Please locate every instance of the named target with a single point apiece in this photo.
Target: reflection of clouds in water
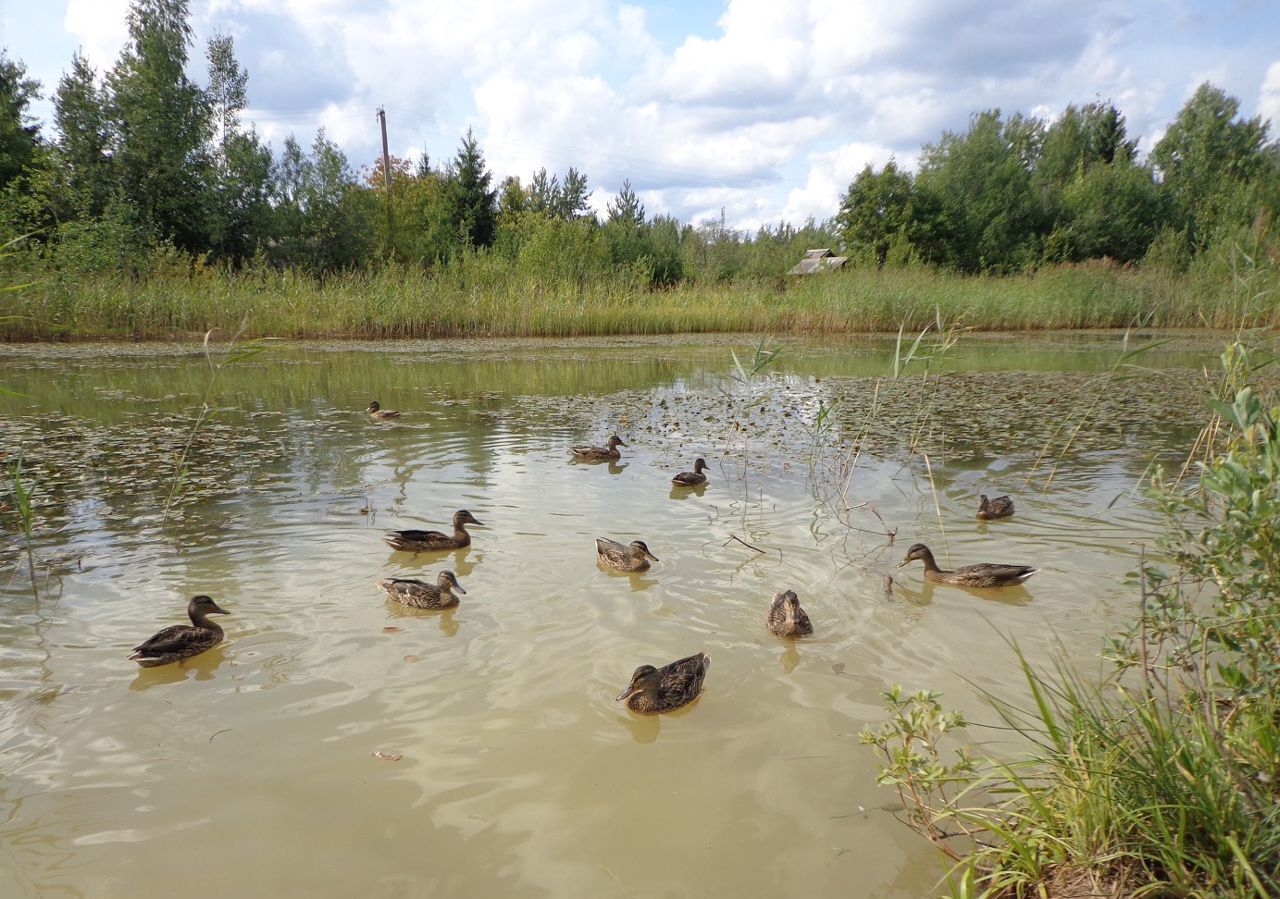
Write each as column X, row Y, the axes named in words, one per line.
column 508, row 726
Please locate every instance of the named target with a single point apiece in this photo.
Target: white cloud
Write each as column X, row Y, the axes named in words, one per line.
column 830, row 174
column 743, row 115
column 1269, row 97
column 100, row 27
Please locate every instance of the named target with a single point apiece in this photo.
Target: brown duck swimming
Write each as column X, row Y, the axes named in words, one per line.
column 786, row 618
column 376, row 411
column 984, row 574
column 422, row 595
column 614, row 555
column 181, row 641
column 692, row 478
column 599, row 453
column 1000, row 507
column 426, row 541
column 654, row 690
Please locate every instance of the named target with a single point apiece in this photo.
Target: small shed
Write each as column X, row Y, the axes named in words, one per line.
column 820, row 260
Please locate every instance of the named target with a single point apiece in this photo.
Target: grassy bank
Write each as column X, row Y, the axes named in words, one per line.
column 1162, row 778
column 484, row 296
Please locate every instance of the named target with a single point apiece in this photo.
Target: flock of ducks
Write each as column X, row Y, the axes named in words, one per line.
column 651, row 690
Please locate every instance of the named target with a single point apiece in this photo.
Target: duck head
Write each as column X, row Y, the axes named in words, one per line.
column 644, row 679
column 916, row 551
column 640, row 551
column 462, row 516
column 202, row 605
column 447, row 579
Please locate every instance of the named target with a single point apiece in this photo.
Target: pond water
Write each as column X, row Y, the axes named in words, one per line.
column 337, row 744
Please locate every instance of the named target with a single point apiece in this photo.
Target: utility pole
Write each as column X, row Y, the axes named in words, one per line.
column 386, row 169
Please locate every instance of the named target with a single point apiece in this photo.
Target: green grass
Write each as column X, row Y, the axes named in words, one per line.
column 1161, row 778
column 486, row 296
column 1142, row 796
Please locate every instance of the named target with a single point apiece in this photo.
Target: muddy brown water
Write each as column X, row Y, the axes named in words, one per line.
column 337, row 744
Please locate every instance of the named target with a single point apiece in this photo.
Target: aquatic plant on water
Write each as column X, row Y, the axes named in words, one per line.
column 1163, row 778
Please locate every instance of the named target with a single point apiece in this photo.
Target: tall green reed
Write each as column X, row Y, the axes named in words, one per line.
column 232, row 353
column 1163, row 777
column 22, row 492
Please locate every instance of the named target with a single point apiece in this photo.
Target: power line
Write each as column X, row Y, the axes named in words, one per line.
column 635, row 168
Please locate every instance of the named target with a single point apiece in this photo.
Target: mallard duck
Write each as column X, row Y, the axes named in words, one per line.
column 984, row 574
column 613, row 554
column 654, row 690
column 181, row 641
column 425, row 541
column 376, row 411
column 422, row 595
column 1000, row 507
column 692, row 478
column 786, row 618
column 599, row 453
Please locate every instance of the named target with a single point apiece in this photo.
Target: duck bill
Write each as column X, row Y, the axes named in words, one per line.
column 219, row 610
column 458, row 587
column 631, row 690
column 903, row 563
column 652, row 556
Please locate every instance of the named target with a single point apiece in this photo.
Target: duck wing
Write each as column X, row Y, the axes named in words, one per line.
column 411, row 592
column 803, row 625
column 174, row 638
column 992, row 574
column 685, row 676
column 606, row 547
column 402, row 586
column 419, row 536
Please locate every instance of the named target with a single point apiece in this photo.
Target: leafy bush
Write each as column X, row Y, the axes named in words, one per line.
column 1163, row 779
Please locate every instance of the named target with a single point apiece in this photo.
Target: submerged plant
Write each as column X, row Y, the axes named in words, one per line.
column 24, row 509
column 742, row 392
column 230, row 356
column 1163, row 778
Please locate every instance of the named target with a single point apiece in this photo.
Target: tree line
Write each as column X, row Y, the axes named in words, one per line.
column 144, row 165
column 1015, row 193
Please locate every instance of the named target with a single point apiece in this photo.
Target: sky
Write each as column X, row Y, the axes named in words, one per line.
column 758, row 110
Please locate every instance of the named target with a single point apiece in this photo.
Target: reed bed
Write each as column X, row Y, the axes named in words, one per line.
column 486, row 296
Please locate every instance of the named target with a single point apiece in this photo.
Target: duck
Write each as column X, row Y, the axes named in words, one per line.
column 376, row 411
column 786, row 618
column 984, row 574
column 1000, row 507
column 182, row 641
column 653, row 690
column 422, row 595
column 599, row 453
column 425, row 541
column 692, row 478
column 614, row 555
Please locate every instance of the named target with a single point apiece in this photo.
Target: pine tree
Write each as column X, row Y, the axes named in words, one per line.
column 19, row 135
column 470, row 204
column 627, row 208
